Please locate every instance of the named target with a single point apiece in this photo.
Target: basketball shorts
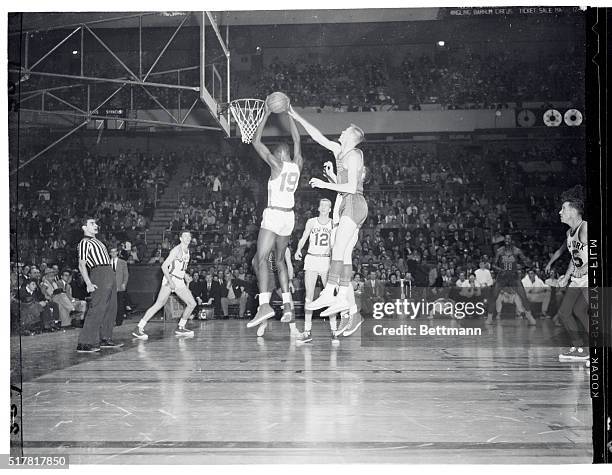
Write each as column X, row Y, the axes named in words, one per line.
column 354, row 207
column 581, row 282
column 318, row 264
column 178, row 282
column 279, row 222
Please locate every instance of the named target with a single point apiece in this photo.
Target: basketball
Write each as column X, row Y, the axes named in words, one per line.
column 278, row 102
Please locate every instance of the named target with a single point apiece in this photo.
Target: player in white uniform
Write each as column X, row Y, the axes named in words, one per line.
column 573, row 311
column 175, row 280
column 278, row 219
column 272, row 269
column 318, row 232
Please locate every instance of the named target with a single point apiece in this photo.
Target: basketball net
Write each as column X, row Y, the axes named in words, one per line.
column 248, row 114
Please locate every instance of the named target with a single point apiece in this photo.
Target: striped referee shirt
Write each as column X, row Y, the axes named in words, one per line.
column 93, row 252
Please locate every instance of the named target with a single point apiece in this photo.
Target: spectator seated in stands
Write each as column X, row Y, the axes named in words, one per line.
column 537, row 291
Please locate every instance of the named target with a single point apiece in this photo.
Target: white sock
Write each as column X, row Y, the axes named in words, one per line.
column 264, row 297
column 332, row 322
column 292, row 326
column 286, row 297
column 307, row 326
column 343, row 292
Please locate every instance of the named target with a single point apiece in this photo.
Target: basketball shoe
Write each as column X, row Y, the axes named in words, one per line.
column 264, row 312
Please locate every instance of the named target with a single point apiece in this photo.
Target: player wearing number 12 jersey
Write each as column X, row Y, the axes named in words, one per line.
column 318, row 231
column 278, row 219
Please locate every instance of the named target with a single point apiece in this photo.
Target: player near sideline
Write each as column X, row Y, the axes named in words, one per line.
column 318, row 232
column 278, row 219
column 174, row 280
column 353, row 212
column 506, row 260
column 573, row 311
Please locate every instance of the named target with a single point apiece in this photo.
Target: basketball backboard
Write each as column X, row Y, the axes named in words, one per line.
column 215, row 67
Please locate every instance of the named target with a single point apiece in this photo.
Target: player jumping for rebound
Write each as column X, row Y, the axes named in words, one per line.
column 318, row 233
column 573, row 311
column 174, row 268
column 278, row 219
column 353, row 212
column 272, row 280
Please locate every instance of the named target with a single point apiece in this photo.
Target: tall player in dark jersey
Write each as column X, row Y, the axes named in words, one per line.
column 353, row 212
column 505, row 263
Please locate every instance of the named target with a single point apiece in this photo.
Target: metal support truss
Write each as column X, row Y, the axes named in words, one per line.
column 132, row 78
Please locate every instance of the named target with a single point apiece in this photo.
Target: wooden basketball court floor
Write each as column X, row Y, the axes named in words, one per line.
column 224, row 396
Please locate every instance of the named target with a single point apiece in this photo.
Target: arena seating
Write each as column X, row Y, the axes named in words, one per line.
column 427, row 205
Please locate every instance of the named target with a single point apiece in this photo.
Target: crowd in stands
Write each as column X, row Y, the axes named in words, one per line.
column 431, row 218
column 455, row 80
column 360, row 83
column 120, row 189
column 482, row 81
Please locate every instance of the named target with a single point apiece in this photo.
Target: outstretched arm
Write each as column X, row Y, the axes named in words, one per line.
column 315, row 133
column 558, row 253
column 303, row 239
column 262, row 150
column 297, row 149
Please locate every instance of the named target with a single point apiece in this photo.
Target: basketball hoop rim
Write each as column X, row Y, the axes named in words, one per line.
column 243, row 99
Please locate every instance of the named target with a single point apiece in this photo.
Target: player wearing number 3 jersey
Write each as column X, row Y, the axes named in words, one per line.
column 278, row 219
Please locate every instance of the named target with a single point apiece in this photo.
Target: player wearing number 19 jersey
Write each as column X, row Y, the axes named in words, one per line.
column 278, row 219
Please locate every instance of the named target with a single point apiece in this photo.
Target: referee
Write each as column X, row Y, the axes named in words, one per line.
column 94, row 264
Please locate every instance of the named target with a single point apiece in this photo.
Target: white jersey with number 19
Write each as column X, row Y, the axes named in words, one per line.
column 282, row 188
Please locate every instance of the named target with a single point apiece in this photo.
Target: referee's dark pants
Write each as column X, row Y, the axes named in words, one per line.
column 100, row 318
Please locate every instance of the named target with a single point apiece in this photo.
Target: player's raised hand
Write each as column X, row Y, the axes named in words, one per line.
column 328, row 171
column 317, row 183
column 547, row 268
column 298, row 255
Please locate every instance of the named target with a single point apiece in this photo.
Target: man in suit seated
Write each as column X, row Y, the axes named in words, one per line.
column 196, row 286
column 373, row 292
column 80, row 306
column 234, row 294
column 36, row 312
column 211, row 295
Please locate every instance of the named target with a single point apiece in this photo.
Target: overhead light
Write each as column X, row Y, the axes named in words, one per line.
column 75, row 51
column 441, row 43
